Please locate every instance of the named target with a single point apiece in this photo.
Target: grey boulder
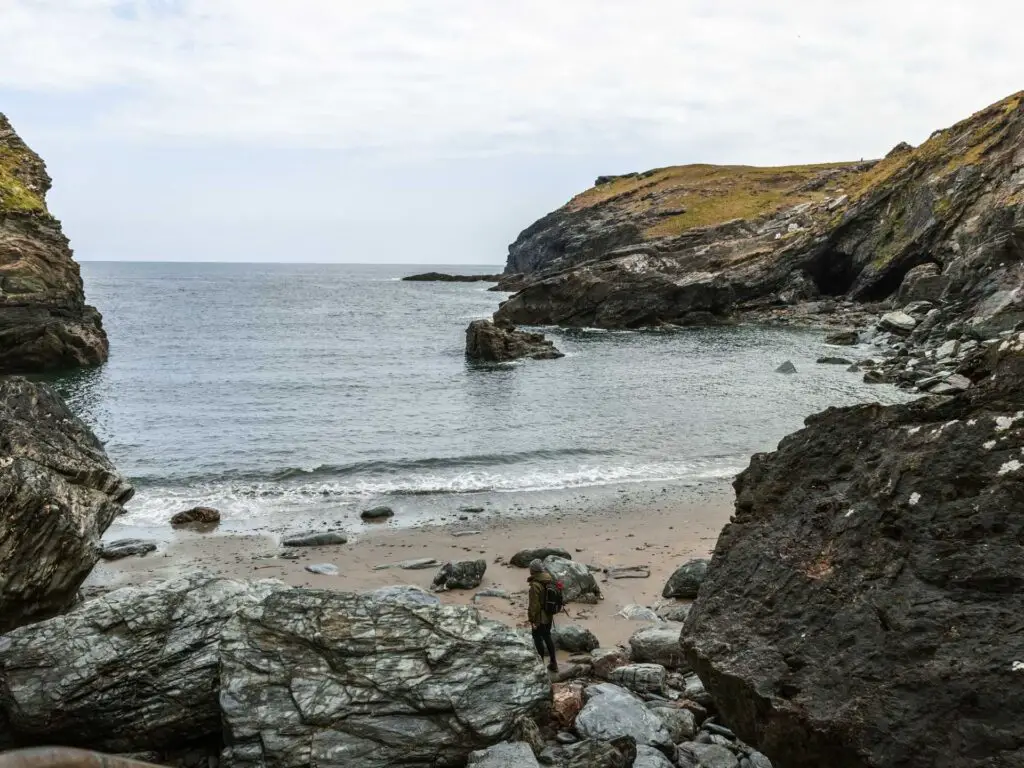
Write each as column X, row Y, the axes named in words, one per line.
column 612, row 712
column 135, row 669
column 672, row 611
column 325, row 678
column 524, row 557
column 649, row 757
column 706, row 756
column 897, row 322
column 639, row 678
column 658, row 645
column 117, row 550
column 60, row 493
column 316, row 539
column 578, row 583
column 680, row 722
column 461, row 574
column 686, row 580
column 505, row 755
column 573, row 638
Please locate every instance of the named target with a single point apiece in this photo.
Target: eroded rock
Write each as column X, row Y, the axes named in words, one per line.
column 461, row 574
column 489, row 342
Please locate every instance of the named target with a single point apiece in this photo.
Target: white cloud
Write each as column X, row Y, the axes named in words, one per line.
column 773, row 80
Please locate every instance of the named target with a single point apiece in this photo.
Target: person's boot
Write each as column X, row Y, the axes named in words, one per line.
column 553, row 666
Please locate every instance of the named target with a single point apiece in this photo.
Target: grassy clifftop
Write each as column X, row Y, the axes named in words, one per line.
column 23, row 179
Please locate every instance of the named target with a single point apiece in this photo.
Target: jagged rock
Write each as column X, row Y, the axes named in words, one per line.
column 60, row 493
column 196, row 516
column 406, row 594
column 681, row 723
column 864, row 591
column 462, row 574
column 900, row 149
column 573, row 638
column 612, row 712
column 620, row 752
column 504, row 755
column 897, row 322
column 649, row 757
column 117, row 550
column 640, row 678
column 489, row 342
column 370, row 683
column 843, row 338
column 315, row 539
column 658, row 645
column 578, row 583
column 135, row 669
column 686, row 580
column 923, row 283
column 786, row 367
column 566, row 703
column 948, row 349
column 606, row 660
column 377, row 513
column 524, row 557
column 45, row 323
column 950, row 385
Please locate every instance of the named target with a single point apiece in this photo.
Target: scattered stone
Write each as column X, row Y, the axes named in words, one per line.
column 843, row 338
column 377, row 513
column 573, row 638
column 406, row 594
column 897, row 322
column 686, row 580
column 122, row 548
column 834, row 361
column 640, row 678
column 611, row 712
column 323, row 569
column 658, row 645
column 504, row 755
column 198, row 516
column 634, row 612
column 492, row 593
column 389, row 683
column 442, row 277
column 462, row 574
column 524, row 557
column 460, row 534
column 471, row 510
column 316, row 539
column 628, row 572
column 489, row 342
column 786, row 367
column 951, row 385
column 417, row 564
column 578, row 583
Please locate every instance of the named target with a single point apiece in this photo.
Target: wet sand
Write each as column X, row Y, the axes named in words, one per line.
column 657, row 530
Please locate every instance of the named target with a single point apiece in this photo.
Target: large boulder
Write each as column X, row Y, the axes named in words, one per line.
column 574, row 638
column 331, row 678
column 863, row 608
column 461, row 574
column 686, row 579
column 612, row 712
column 658, row 645
column 578, row 583
column 60, row 493
column 524, row 557
column 489, row 342
column 133, row 670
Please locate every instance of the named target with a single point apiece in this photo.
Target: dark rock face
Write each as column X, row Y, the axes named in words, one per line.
column 574, row 638
column 369, row 683
column 60, row 493
column 196, row 516
column 44, row 321
column 648, row 250
column 136, row 669
column 489, row 342
column 686, row 580
column 441, row 277
column 462, row 574
column 863, row 609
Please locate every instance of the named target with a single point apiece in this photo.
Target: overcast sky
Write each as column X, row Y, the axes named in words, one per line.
column 433, row 131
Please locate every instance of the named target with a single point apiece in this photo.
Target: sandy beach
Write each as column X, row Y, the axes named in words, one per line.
column 656, row 529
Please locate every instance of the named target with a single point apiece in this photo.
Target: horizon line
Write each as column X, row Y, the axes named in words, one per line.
column 349, row 263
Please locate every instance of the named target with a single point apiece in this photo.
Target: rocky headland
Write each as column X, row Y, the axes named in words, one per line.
column 444, row 277
column 45, row 323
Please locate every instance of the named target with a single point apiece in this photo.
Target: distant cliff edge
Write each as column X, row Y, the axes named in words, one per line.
column 45, row 323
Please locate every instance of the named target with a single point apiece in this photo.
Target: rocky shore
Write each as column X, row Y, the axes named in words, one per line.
column 443, row 277
column 45, row 323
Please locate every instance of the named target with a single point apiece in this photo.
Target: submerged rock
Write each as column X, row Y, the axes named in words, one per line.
column 135, row 669
column 443, row 277
column 370, row 683
column 60, row 493
column 786, row 367
column 196, row 516
column 865, row 589
column 489, row 342
column 461, row 574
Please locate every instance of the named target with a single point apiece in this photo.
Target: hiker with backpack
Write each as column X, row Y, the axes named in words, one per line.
column 545, row 602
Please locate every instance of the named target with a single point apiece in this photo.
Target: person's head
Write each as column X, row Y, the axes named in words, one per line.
column 536, row 566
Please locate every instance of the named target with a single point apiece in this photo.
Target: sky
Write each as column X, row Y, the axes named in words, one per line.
column 433, row 131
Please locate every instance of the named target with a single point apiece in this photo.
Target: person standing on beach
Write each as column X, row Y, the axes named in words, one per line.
column 540, row 621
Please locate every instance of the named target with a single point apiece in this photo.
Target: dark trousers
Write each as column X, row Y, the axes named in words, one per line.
column 542, row 639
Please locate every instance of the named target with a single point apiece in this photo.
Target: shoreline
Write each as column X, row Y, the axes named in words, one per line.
column 661, row 530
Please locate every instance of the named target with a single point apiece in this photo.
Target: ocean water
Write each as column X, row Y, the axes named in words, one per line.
column 286, row 392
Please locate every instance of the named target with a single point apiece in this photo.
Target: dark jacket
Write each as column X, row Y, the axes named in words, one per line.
column 536, row 610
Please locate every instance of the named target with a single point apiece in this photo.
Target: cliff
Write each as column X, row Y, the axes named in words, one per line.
column 45, row 323
column 700, row 244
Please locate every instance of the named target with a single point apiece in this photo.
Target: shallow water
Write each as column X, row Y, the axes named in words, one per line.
column 273, row 391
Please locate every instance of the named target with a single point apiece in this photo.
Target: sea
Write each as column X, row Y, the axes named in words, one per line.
column 293, row 393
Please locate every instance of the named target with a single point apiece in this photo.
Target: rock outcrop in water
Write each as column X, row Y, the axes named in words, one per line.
column 45, row 323
column 443, row 277
column 490, row 342
column 863, row 608
column 703, row 244
column 60, row 493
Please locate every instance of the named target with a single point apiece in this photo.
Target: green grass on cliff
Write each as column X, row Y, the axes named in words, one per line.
column 712, row 194
column 14, row 195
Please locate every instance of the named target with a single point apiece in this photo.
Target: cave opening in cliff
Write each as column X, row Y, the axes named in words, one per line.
column 833, row 273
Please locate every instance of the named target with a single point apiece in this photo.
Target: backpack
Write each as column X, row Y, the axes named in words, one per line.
column 553, row 600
